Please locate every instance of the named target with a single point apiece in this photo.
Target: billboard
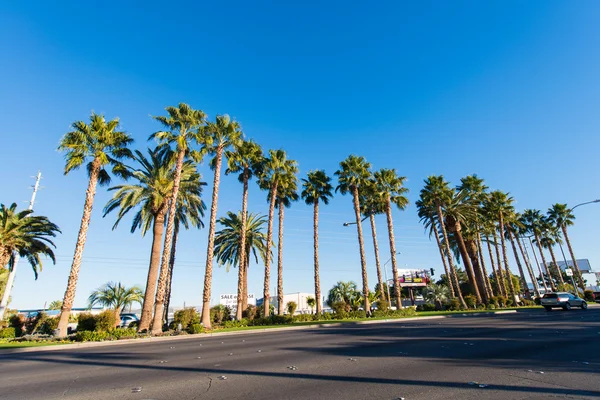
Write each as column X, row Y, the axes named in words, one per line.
column 230, row 300
column 583, row 264
column 413, row 277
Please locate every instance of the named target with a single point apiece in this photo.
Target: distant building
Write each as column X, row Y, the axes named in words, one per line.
column 300, row 299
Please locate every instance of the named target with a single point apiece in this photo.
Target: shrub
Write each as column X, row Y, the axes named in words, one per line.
column 236, row 324
column 17, row 321
column 291, row 307
column 537, row 301
column 86, row 322
column 259, row 310
column 528, row 303
column 588, row 295
column 471, row 301
column 122, row 333
column 339, row 308
column 304, row 317
column 8, row 333
column 491, row 306
column 426, row 307
column 89, row 336
column 249, row 312
column 453, row 305
column 382, row 305
column 105, row 321
column 501, row 301
column 356, row 314
column 186, row 317
column 32, row 324
column 220, row 313
column 195, row 328
column 509, row 302
column 48, row 325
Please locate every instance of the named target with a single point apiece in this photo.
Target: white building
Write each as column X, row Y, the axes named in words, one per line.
column 299, row 298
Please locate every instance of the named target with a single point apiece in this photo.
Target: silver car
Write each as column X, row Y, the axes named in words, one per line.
column 563, row 300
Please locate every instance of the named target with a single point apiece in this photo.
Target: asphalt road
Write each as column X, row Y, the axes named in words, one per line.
column 525, row 355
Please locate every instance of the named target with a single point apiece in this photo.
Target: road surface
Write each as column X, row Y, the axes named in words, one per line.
column 526, row 355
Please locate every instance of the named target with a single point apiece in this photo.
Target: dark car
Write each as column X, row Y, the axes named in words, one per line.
column 564, row 300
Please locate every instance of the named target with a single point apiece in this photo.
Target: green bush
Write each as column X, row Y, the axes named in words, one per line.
column 86, row 322
column 8, row 333
column 471, row 301
column 356, row 314
column 32, row 324
column 528, row 303
column 186, row 317
column 588, row 295
column 491, row 306
column 426, row 307
column 48, row 325
column 304, row 318
column 195, row 328
column 502, row 301
column 249, row 312
column 121, row 333
column 220, row 313
column 509, row 302
column 105, row 321
column 236, row 324
column 537, row 301
column 89, row 336
column 17, row 321
column 453, row 305
column 291, row 307
column 259, row 310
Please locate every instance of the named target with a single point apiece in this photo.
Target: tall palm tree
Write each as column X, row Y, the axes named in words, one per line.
column 549, row 238
column 372, row 205
column 534, row 223
column 286, row 194
column 353, row 175
column 149, row 195
column 391, row 191
column 518, row 229
column 246, row 158
column 317, row 188
column 273, row 170
column 217, row 137
column 459, row 210
column 561, row 217
column 491, row 214
column 228, row 243
column 115, row 296
column 182, row 131
column 510, row 220
column 436, row 193
column 524, row 230
column 500, row 205
column 427, row 214
column 102, row 145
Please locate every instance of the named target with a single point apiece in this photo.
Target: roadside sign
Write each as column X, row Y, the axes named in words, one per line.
column 569, row 271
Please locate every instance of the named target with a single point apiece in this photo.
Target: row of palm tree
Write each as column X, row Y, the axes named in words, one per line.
column 464, row 218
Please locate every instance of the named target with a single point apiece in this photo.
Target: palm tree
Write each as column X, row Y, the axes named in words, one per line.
column 549, row 238
column 436, row 294
column 342, row 292
column 391, row 191
column 115, row 296
column 510, row 220
column 491, row 214
column 149, row 195
column 518, row 229
column 459, row 210
column 218, row 136
column 317, row 188
column 427, row 217
column 353, row 176
column 500, row 204
column 436, row 193
column 246, row 159
column 534, row 223
column 273, row 170
column 229, row 239
column 310, row 301
column 55, row 305
column 103, row 145
column 524, row 230
column 25, row 235
column 182, row 130
column 561, row 217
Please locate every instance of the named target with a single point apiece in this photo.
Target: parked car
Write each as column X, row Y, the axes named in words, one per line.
column 127, row 319
column 563, row 300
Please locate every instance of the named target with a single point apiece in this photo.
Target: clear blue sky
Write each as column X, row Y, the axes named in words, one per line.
column 507, row 90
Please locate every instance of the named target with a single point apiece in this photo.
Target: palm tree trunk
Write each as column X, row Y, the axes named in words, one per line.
column 555, row 265
column 577, row 270
column 537, row 240
column 538, row 265
column 486, row 278
column 449, row 255
column 170, row 276
column 467, row 261
column 280, row 305
column 511, row 287
column 529, row 267
column 499, row 274
column 156, row 327
column 267, row 284
column 316, row 254
column 65, row 310
column 243, row 255
column 472, row 250
column 390, row 226
column 440, row 248
column 521, row 273
column 148, row 304
column 377, row 261
column 211, row 241
column 361, row 245
column 491, row 254
column 245, row 296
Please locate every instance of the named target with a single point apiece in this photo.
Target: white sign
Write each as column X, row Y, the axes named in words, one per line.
column 569, row 271
column 230, row 300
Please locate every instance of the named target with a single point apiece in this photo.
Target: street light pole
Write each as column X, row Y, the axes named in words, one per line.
column 587, row 202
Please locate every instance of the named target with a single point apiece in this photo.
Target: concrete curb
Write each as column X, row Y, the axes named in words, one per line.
column 203, row 336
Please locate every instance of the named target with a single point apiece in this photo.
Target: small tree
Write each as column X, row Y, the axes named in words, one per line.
column 116, row 296
column 311, row 302
column 55, row 305
column 291, row 307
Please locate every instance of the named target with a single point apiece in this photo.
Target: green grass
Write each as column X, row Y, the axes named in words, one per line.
column 19, row 345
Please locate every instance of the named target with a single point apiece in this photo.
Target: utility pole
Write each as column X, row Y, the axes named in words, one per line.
column 13, row 272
